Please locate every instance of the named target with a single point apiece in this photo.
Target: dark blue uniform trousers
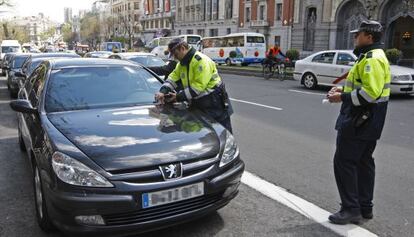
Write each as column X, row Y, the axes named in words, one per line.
column 354, row 169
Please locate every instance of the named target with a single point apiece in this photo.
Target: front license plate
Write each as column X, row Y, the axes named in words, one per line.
column 172, row 195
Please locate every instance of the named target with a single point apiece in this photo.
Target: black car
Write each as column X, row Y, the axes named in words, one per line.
column 107, row 160
column 14, row 72
column 35, row 59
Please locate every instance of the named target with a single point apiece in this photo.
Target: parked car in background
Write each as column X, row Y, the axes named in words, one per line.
column 111, row 46
column 9, row 46
column 145, row 59
column 98, row 54
column 14, row 73
column 106, row 160
column 323, row 68
column 35, row 59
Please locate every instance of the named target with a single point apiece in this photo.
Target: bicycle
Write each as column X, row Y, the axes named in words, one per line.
column 270, row 69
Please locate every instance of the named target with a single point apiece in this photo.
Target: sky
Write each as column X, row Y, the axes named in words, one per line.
column 50, row 8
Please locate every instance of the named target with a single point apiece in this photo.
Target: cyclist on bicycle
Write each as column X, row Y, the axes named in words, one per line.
column 274, row 56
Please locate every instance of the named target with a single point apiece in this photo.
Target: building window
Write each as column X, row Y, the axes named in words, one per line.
column 279, row 9
column 179, row 15
column 152, row 24
column 228, row 30
column 190, row 32
column 277, row 40
column 129, row 6
column 136, row 17
column 261, row 12
column 200, row 32
column 228, row 6
column 162, row 23
column 156, row 23
column 213, row 32
column 248, row 14
column 179, row 32
column 167, row 23
column 136, row 5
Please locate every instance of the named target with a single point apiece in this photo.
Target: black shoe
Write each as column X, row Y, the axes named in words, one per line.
column 344, row 217
column 367, row 213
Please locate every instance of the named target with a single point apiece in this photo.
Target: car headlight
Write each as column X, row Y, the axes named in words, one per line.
column 401, row 78
column 231, row 150
column 74, row 172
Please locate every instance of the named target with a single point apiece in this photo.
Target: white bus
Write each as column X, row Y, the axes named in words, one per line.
column 237, row 48
column 159, row 46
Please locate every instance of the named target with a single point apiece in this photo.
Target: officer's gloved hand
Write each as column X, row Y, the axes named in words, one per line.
column 160, row 97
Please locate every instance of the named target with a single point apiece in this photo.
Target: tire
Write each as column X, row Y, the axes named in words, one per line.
column 267, row 72
column 21, row 142
column 42, row 216
column 309, row 81
column 228, row 62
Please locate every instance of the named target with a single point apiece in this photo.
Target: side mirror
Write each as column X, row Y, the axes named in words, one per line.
column 351, row 63
column 22, row 106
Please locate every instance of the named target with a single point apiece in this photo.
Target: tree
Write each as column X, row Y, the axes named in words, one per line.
column 90, row 29
column 6, row 3
column 68, row 35
column 47, row 34
column 13, row 31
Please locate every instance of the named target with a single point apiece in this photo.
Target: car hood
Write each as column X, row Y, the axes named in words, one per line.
column 400, row 71
column 137, row 137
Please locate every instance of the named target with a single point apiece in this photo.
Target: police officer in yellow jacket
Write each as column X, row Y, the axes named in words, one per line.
column 360, row 122
column 201, row 83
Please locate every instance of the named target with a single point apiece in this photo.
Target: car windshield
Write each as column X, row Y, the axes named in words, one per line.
column 164, row 41
column 18, row 62
column 9, row 49
column 148, row 61
column 96, row 87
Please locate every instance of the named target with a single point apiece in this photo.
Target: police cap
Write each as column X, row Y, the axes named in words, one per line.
column 175, row 43
column 369, row 27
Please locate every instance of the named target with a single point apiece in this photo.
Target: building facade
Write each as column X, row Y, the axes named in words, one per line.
column 325, row 24
column 206, row 17
column 125, row 18
column 35, row 26
column 158, row 18
column 273, row 18
column 68, row 15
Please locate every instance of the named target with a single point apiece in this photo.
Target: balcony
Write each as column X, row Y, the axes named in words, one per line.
column 259, row 23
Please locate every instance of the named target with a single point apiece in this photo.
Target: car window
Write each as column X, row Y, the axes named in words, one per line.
column 148, row 61
column 324, row 58
column 37, row 82
column 94, row 87
column 18, row 62
column 344, row 59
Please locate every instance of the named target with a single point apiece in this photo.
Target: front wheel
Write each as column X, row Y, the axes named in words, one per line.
column 309, row 81
column 42, row 215
column 228, row 62
column 267, row 71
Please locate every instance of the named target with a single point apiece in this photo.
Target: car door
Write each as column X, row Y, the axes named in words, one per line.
column 343, row 62
column 31, row 126
column 323, row 66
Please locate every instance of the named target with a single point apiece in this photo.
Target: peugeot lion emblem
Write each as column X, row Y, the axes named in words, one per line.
column 171, row 171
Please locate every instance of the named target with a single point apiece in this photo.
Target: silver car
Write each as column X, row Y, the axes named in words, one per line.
column 325, row 67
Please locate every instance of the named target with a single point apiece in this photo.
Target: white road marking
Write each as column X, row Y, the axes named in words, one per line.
column 307, row 92
column 302, row 206
column 257, row 104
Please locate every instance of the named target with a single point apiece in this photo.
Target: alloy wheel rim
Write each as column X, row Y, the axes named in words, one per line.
column 309, row 81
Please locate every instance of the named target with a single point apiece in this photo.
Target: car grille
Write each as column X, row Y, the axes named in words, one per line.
column 153, row 174
column 156, row 213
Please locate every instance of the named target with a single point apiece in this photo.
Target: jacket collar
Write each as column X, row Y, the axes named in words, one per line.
column 365, row 49
column 187, row 58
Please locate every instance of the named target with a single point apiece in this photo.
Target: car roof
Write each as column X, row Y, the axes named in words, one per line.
column 45, row 55
column 134, row 54
column 22, row 55
column 58, row 63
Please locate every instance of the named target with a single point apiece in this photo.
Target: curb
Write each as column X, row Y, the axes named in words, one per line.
column 245, row 72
